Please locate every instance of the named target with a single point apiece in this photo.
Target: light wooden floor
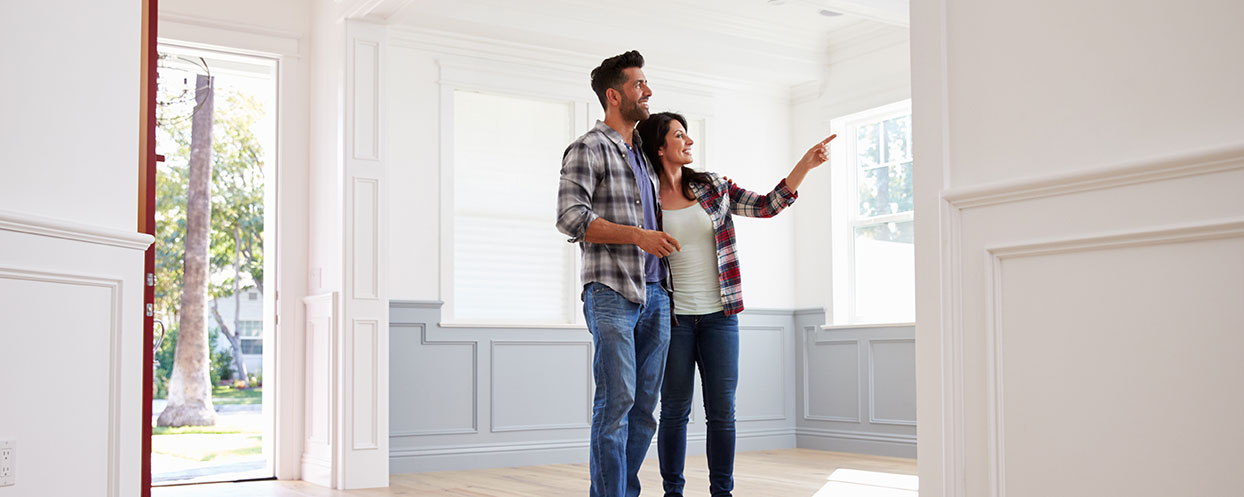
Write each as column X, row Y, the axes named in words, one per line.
column 769, row 473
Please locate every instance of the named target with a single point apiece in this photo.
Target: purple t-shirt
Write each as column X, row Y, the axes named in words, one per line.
column 652, row 264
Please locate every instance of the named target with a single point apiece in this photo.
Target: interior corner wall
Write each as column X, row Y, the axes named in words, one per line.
column 876, row 72
column 70, row 130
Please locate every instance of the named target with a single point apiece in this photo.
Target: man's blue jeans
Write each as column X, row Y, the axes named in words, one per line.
column 712, row 342
column 630, row 341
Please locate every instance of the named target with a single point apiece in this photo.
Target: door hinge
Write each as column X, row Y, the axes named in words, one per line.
column 150, row 279
column 150, row 310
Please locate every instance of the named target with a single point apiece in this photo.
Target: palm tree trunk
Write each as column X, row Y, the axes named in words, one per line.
column 190, row 386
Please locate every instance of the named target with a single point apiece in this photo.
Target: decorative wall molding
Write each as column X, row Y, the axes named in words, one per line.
column 810, row 339
column 561, row 65
column 781, row 337
column 872, row 391
column 492, row 403
column 68, row 230
column 856, row 435
column 1129, row 173
column 115, row 331
column 994, row 359
column 365, row 349
column 199, row 32
column 320, row 440
column 365, row 239
column 423, row 340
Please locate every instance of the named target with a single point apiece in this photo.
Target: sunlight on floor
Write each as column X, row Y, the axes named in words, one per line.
column 856, row 483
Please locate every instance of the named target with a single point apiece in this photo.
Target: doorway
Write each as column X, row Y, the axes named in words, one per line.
column 214, row 204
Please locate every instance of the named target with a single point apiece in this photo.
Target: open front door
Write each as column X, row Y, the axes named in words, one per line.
column 146, row 222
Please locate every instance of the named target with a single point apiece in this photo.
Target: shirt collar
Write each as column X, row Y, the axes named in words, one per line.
column 617, row 139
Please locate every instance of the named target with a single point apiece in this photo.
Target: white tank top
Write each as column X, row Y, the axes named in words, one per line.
column 697, row 289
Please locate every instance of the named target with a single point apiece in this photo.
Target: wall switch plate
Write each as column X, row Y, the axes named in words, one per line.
column 8, row 458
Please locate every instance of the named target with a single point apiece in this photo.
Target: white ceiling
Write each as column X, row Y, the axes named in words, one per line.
column 778, row 42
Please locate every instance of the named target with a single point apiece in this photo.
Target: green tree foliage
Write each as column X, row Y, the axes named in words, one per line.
column 237, row 214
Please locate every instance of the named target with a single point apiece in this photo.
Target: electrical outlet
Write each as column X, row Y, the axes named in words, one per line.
column 8, row 462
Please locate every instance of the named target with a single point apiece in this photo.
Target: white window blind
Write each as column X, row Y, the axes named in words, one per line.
column 510, row 264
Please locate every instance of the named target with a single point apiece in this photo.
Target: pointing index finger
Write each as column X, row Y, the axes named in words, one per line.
column 827, row 140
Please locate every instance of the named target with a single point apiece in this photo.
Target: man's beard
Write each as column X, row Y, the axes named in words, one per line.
column 632, row 111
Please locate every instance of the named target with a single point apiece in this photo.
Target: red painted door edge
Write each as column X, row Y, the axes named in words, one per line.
column 147, row 170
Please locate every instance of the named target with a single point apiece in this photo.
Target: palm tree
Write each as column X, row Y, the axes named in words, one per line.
column 190, row 387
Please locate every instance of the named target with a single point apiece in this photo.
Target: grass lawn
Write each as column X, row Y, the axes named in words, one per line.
column 227, row 395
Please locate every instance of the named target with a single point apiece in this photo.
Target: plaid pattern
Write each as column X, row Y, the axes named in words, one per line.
column 597, row 182
column 721, row 199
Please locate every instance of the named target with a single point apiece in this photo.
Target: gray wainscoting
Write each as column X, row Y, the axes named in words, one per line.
column 857, row 387
column 470, row 398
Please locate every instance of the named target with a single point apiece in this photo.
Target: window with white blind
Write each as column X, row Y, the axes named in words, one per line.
column 874, row 257
column 509, row 263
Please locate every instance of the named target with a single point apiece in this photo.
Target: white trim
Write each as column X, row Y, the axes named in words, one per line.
column 68, row 230
column 515, row 326
column 197, row 32
column 994, row 389
column 114, row 385
column 830, row 327
column 1169, row 167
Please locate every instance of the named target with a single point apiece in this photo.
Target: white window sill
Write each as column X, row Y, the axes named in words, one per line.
column 867, row 325
column 520, row 326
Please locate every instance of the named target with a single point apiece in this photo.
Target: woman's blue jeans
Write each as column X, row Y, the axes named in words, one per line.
column 710, row 341
column 630, row 342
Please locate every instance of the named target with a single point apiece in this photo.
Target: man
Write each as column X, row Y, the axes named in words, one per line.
column 608, row 203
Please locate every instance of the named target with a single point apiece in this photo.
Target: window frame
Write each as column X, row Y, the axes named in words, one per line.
column 582, row 118
column 841, row 310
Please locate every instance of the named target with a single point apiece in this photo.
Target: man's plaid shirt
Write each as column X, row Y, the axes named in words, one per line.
column 722, row 198
column 597, row 182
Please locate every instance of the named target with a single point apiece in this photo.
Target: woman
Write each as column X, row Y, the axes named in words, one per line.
column 696, row 210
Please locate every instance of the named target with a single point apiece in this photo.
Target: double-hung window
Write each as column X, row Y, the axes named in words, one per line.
column 873, row 219
column 508, row 263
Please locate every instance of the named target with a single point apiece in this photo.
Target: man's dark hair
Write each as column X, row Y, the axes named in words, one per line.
column 609, row 74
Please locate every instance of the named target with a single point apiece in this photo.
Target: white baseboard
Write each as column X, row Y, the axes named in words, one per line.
column 468, row 457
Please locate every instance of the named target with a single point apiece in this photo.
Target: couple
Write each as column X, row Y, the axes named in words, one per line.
column 652, row 230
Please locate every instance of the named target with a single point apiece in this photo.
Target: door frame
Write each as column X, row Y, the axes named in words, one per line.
column 284, row 377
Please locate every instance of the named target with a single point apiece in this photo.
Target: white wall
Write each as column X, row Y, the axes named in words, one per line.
column 871, row 71
column 68, row 217
column 1079, row 316
column 748, row 129
column 70, row 105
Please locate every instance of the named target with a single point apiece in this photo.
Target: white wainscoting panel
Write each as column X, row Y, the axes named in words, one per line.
column 71, row 296
column 321, row 379
column 1098, row 338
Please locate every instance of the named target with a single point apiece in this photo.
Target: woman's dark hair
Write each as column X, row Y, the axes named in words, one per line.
column 652, row 133
column 609, row 73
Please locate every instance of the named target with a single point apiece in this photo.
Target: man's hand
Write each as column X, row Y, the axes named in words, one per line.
column 658, row 243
